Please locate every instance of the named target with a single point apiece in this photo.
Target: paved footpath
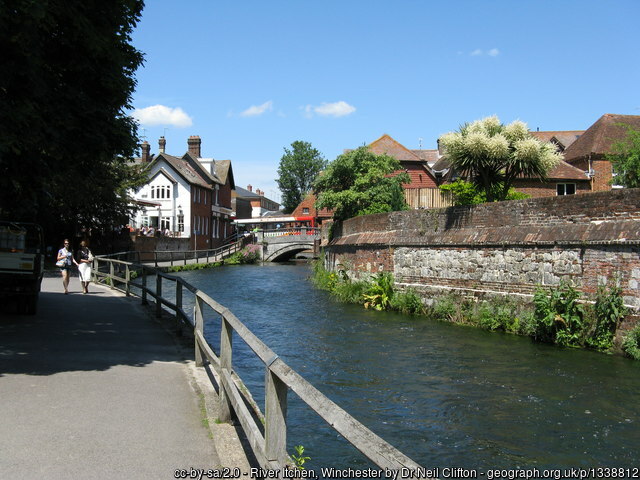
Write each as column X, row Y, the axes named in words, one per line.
column 92, row 387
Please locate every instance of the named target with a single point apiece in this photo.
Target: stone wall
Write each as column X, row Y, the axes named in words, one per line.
column 506, row 247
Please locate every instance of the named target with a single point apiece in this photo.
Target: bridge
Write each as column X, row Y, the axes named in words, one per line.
column 283, row 244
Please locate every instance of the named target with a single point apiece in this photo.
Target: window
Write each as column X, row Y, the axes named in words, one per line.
column 566, row 188
column 153, row 192
column 217, row 191
column 181, row 223
column 305, row 211
column 165, row 223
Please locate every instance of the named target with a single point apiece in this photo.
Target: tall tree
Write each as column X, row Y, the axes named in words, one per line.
column 625, row 159
column 494, row 155
column 360, row 183
column 65, row 89
column 298, row 167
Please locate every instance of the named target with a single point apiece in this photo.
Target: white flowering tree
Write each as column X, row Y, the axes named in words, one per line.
column 493, row 155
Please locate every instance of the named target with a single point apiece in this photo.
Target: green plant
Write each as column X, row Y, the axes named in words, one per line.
column 249, row 254
column 407, row 302
column 608, row 310
column 380, row 293
column 299, row 460
column 631, row 343
column 559, row 315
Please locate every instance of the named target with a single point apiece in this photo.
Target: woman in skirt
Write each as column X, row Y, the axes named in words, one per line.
column 84, row 259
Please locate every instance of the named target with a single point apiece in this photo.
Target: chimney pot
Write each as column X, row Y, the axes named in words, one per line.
column 250, row 188
column 194, row 144
column 146, row 152
column 162, row 143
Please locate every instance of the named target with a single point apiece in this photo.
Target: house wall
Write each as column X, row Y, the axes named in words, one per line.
column 180, row 197
column 419, row 176
column 501, row 248
column 536, row 188
column 200, row 218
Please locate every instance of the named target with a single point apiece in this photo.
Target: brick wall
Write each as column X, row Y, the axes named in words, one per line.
column 536, row 188
column 508, row 247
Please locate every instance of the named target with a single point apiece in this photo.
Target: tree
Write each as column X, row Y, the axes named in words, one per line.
column 625, row 159
column 490, row 154
column 360, row 183
column 65, row 137
column 296, row 172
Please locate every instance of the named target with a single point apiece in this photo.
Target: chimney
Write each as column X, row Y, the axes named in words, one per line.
column 194, row 145
column 250, row 188
column 162, row 144
column 146, row 152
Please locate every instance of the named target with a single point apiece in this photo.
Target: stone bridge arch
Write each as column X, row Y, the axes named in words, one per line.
column 283, row 252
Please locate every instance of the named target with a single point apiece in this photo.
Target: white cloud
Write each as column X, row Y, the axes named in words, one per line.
column 494, row 52
column 162, row 115
column 256, row 110
column 336, row 109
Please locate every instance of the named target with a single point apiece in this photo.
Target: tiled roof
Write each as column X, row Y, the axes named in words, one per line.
column 224, row 172
column 429, row 156
column 564, row 171
column 563, row 137
column 183, row 169
column 387, row 145
column 599, row 137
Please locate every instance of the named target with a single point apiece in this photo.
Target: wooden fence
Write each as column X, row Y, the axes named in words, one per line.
column 427, row 198
column 268, row 435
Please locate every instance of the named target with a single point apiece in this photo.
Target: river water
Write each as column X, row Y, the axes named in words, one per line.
column 443, row 394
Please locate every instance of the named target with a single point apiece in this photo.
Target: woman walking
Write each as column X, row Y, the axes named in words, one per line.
column 64, row 261
column 84, row 259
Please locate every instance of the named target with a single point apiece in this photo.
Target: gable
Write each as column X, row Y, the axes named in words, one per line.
column 386, row 145
column 599, row 138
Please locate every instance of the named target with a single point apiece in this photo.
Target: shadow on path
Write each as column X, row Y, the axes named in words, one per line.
column 78, row 332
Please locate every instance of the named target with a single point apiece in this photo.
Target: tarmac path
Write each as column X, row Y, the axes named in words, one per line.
column 92, row 388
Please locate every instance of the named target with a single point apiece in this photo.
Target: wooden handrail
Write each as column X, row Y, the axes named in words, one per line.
column 269, row 448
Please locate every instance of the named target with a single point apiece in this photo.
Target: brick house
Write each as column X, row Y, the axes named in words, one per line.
column 188, row 196
column 588, row 152
column 414, row 162
column 250, row 204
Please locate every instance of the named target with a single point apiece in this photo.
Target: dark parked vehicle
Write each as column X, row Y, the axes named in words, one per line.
column 21, row 263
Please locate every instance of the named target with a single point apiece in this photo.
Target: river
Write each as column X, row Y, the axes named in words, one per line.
column 443, row 394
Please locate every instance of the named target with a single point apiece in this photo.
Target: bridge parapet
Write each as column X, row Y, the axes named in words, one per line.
column 285, row 243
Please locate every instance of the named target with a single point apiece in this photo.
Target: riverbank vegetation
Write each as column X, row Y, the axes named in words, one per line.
column 558, row 315
column 248, row 255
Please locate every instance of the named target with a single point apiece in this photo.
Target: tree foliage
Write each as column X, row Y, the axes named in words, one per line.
column 66, row 85
column 360, row 183
column 467, row 193
column 298, row 168
column 625, row 159
column 491, row 153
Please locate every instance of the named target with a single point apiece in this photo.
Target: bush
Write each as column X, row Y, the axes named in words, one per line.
column 607, row 312
column 559, row 316
column 631, row 343
column 407, row 302
column 380, row 292
column 249, row 254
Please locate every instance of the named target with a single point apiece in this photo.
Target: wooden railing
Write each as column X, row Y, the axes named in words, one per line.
column 180, row 257
column 268, row 442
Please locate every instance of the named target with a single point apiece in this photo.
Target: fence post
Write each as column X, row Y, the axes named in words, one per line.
column 226, row 350
column 172, row 258
column 158, row 295
column 127, row 276
column 198, row 321
column 144, row 286
column 111, row 273
column 178, row 307
column 275, row 429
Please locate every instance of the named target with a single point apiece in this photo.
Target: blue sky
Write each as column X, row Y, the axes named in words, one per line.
column 251, row 77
